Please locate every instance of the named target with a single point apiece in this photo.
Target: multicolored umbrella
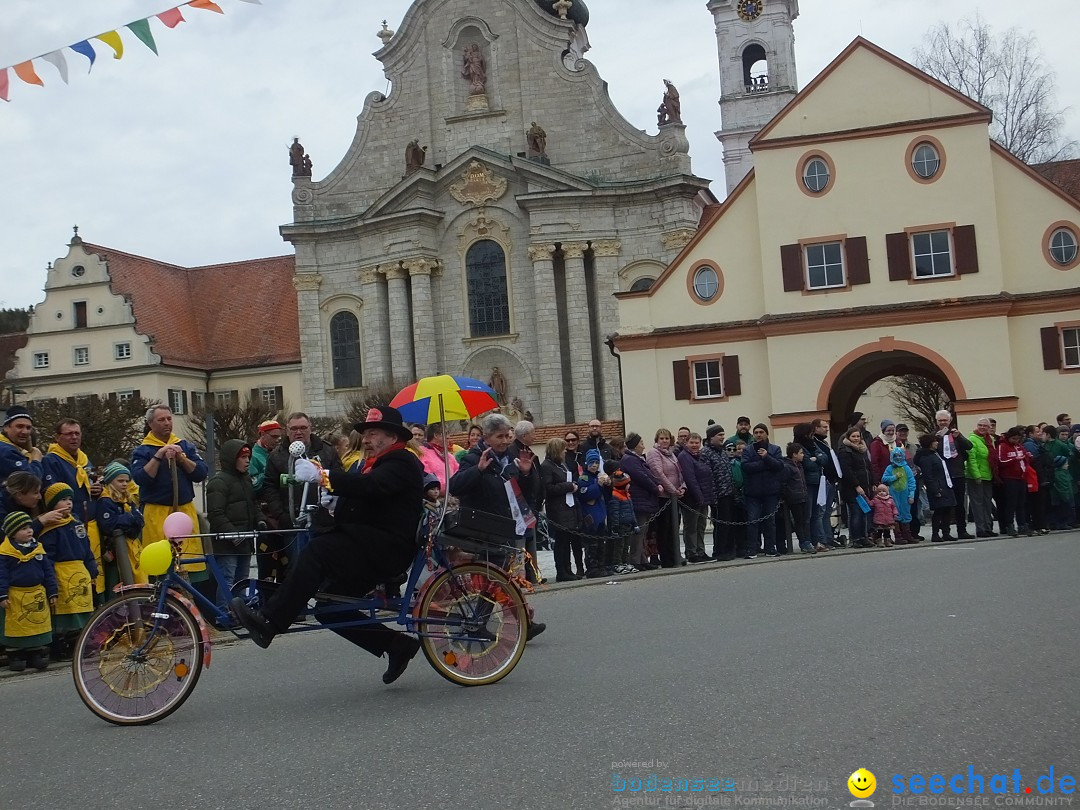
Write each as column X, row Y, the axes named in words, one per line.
column 436, row 399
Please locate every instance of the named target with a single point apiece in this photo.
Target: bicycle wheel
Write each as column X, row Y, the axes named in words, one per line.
column 480, row 633
column 131, row 674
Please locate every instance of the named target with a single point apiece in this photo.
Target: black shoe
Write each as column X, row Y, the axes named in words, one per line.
column 535, row 629
column 402, row 652
column 253, row 621
column 750, row 556
column 40, row 661
column 567, row 578
column 17, row 664
column 963, row 536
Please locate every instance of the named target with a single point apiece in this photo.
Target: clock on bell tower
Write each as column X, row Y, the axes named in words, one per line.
column 755, row 41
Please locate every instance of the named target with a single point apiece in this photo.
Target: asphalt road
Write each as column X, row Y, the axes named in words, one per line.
column 784, row 676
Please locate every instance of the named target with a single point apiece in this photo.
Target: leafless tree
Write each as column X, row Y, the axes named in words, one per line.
column 1006, row 73
column 918, row 400
column 232, row 420
column 111, row 427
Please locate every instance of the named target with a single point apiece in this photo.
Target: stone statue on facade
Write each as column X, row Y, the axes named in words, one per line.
column 670, row 109
column 537, row 140
column 498, row 384
column 474, row 69
column 415, row 155
column 560, row 7
column 300, row 162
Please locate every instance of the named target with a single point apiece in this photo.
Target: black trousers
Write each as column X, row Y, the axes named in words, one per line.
column 351, row 564
column 959, row 485
column 723, row 547
column 667, row 533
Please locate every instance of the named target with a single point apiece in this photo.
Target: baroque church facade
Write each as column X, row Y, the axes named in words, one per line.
column 485, row 214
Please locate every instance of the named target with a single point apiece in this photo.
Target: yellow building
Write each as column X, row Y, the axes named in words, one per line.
column 116, row 324
column 880, row 232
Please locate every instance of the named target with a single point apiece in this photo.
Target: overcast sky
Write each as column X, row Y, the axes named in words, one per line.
column 183, row 156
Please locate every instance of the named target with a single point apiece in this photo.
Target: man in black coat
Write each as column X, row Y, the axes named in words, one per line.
column 480, row 482
column 374, row 540
column 278, row 552
column 953, row 447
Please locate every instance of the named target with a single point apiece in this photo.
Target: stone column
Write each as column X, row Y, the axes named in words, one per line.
column 581, row 331
column 314, row 357
column 374, row 328
column 549, row 368
column 397, row 303
column 426, row 361
column 606, row 258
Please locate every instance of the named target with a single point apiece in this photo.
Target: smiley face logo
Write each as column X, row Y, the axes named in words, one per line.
column 862, row 783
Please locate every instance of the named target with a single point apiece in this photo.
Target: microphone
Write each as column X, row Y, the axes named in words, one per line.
column 297, row 449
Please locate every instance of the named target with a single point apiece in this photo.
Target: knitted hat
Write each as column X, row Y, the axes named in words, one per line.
column 15, row 521
column 113, row 471
column 593, row 457
column 431, row 482
column 713, row 430
column 56, row 493
column 886, row 423
column 268, row 425
column 17, row 412
column 633, row 440
column 762, row 426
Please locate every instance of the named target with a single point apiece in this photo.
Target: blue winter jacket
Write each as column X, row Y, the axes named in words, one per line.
column 762, row 477
column 158, row 490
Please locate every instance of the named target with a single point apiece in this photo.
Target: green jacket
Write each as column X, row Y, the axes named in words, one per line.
column 230, row 501
column 977, row 467
column 257, row 469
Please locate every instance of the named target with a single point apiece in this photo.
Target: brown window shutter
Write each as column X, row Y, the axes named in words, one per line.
column 967, row 254
column 681, row 375
column 136, row 395
column 253, row 395
column 732, row 379
column 791, row 266
column 858, row 260
column 279, row 396
column 1051, row 347
column 896, row 248
column 183, row 396
column 234, row 397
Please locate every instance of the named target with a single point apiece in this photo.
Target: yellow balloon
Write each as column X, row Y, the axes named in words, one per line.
column 156, row 558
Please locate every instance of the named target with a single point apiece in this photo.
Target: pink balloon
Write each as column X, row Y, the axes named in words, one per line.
column 178, row 524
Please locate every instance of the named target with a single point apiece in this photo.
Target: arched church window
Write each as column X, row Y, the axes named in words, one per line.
column 345, row 350
column 755, row 69
column 642, row 284
column 489, row 303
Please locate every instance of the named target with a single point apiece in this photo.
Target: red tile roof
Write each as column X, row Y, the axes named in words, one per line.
column 214, row 317
column 9, row 344
column 1065, row 174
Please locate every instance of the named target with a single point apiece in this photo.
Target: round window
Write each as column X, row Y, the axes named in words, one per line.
column 78, row 271
column 816, row 175
column 1063, row 246
column 925, row 161
column 706, row 283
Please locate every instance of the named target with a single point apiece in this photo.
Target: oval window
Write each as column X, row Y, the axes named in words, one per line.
column 925, row 161
column 816, row 175
column 706, row 283
column 1063, row 246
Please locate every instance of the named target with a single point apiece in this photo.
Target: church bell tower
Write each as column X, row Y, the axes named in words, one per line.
column 756, row 45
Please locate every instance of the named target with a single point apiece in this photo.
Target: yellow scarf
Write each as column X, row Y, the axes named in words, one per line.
column 5, row 440
column 154, row 441
column 350, row 459
column 63, row 522
column 7, row 549
column 82, row 478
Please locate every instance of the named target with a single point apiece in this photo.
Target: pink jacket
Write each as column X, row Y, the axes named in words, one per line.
column 432, row 462
column 665, row 469
column 884, row 511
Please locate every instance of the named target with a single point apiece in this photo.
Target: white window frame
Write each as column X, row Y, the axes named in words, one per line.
column 268, row 396
column 1075, row 246
column 222, row 397
column 714, row 281
column 176, row 401
column 817, row 175
column 125, row 396
column 75, row 355
column 198, row 399
column 702, row 371
column 916, row 162
column 1070, row 345
column 41, row 360
column 825, row 264
column 950, row 253
column 119, row 350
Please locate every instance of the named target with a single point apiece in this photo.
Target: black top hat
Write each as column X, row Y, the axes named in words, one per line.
column 386, row 418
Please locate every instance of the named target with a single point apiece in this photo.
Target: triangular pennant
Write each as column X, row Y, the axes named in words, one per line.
column 141, row 29
column 209, row 5
column 112, row 39
column 86, row 49
column 4, row 84
column 25, row 71
column 57, row 60
column 171, row 18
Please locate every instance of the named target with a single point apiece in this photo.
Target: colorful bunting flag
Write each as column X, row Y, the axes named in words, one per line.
column 87, row 50
column 141, row 29
column 209, row 5
column 57, row 60
column 171, row 18
column 4, row 84
column 25, row 71
column 112, row 39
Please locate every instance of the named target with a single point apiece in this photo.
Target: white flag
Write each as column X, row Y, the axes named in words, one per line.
column 56, row 58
